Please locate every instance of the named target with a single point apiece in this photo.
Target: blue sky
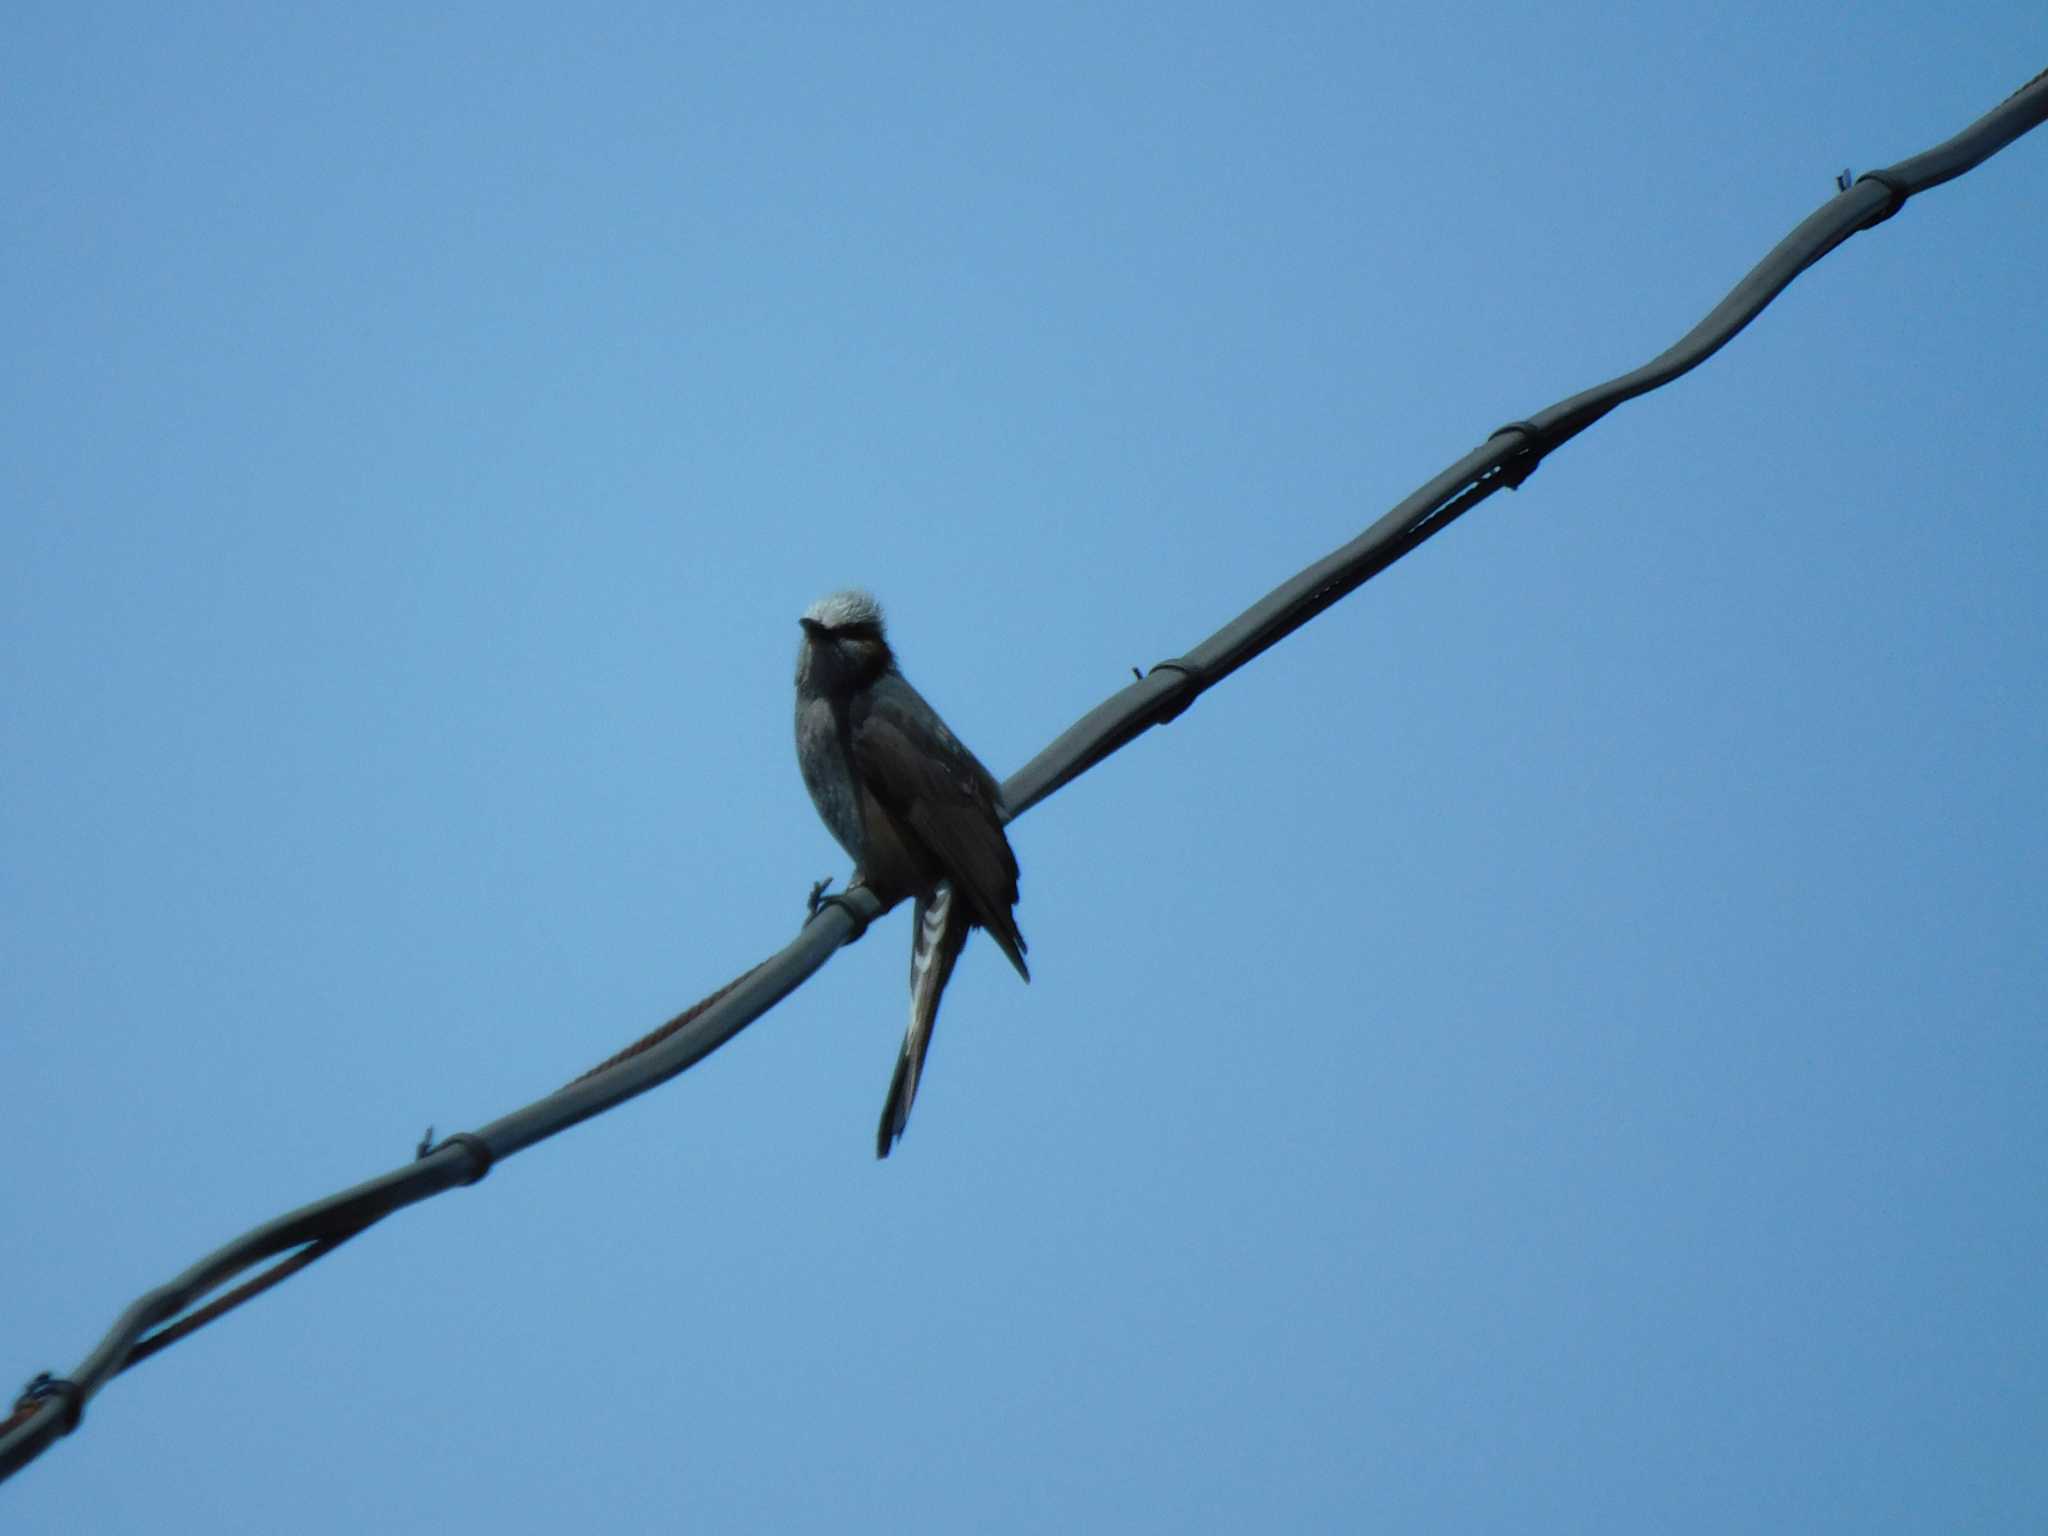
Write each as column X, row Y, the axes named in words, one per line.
column 1556, row 1046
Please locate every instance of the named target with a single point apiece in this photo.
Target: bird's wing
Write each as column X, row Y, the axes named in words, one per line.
column 936, row 939
column 933, row 786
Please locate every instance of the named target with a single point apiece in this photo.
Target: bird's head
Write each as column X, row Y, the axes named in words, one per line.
column 843, row 645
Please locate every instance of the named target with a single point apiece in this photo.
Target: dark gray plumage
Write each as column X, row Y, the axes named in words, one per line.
column 912, row 807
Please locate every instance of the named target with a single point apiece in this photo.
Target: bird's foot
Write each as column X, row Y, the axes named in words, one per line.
column 819, row 901
column 816, row 898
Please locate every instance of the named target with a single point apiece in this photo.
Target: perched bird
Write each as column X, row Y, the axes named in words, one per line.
column 912, row 807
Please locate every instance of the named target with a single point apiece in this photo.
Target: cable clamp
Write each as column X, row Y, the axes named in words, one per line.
column 480, row 1155
column 1895, row 198
column 1522, row 462
column 43, row 1388
column 1176, row 705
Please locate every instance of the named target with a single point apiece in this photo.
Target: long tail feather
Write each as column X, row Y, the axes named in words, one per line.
column 937, row 935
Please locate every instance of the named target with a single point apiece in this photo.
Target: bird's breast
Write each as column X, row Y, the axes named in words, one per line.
column 828, row 775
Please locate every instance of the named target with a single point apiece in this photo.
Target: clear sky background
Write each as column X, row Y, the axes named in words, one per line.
column 1559, row 1045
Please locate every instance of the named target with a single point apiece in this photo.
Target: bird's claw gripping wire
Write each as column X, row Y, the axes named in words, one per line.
column 818, row 901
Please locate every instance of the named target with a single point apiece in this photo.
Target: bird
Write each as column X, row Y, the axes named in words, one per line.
column 914, row 809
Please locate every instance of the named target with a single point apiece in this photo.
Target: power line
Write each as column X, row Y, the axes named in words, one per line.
column 53, row 1406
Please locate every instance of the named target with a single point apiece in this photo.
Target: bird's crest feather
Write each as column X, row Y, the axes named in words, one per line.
column 844, row 610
